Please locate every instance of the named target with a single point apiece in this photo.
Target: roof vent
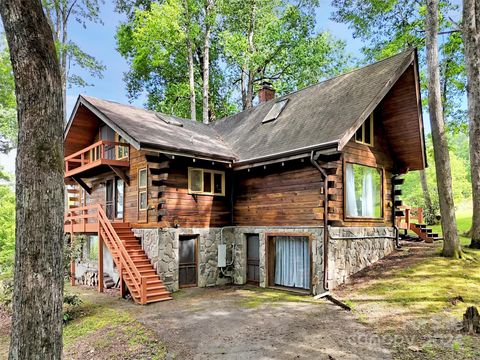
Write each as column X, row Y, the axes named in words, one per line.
column 275, row 110
column 169, row 120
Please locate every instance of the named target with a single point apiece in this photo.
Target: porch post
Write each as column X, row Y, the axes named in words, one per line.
column 123, row 290
column 100, row 261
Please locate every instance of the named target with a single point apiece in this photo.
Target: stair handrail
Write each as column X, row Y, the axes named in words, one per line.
column 114, row 243
column 121, row 252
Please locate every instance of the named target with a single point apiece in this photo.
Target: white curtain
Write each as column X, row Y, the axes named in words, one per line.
column 368, row 207
column 292, row 262
column 351, row 198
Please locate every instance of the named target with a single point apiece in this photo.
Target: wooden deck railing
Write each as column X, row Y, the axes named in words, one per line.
column 102, row 151
column 95, row 215
column 412, row 215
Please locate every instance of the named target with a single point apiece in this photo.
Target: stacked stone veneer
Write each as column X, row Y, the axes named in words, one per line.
column 346, row 256
column 349, row 255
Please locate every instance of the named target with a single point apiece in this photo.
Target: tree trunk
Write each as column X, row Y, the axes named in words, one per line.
column 471, row 40
column 426, row 193
column 451, row 243
column 206, row 60
column 38, row 279
column 251, row 50
column 191, row 73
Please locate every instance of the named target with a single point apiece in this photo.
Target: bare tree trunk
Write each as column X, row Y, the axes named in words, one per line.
column 426, row 191
column 63, row 60
column 251, row 49
column 206, row 60
column 471, row 40
column 451, row 244
column 243, row 84
column 191, row 74
column 38, row 279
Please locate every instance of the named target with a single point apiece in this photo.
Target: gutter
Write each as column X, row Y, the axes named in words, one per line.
column 325, row 219
column 263, row 160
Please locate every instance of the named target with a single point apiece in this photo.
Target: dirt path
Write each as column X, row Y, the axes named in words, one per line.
column 244, row 323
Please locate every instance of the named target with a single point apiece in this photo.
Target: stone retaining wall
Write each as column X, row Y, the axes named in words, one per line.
column 348, row 256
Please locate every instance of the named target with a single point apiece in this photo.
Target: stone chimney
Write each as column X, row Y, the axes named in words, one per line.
column 266, row 92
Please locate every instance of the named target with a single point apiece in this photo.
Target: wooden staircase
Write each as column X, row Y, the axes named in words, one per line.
column 155, row 289
column 133, row 265
column 424, row 232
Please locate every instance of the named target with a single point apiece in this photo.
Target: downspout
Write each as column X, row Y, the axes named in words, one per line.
column 325, row 219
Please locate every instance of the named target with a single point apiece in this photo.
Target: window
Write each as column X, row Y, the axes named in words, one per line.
column 142, row 189
column 363, row 191
column 364, row 134
column 121, row 150
column 206, row 182
column 275, row 111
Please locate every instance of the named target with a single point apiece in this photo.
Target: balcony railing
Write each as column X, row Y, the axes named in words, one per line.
column 103, row 152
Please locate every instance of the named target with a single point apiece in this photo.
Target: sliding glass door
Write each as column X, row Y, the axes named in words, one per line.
column 292, row 261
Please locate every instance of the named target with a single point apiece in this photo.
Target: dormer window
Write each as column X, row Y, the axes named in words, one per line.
column 275, row 111
column 364, row 134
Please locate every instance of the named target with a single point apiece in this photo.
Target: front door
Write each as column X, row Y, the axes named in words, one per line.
column 253, row 258
column 187, row 276
column 114, row 191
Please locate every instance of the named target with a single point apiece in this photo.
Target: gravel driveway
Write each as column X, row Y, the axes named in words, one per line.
column 253, row 323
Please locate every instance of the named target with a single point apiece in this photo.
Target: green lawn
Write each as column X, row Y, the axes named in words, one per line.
column 464, row 221
column 418, row 289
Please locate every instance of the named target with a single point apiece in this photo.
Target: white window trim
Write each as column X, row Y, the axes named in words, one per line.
column 212, row 172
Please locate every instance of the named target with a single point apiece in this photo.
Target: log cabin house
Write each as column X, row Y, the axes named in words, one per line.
column 299, row 192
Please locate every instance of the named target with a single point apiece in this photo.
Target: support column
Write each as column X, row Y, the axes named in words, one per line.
column 100, row 262
column 123, row 288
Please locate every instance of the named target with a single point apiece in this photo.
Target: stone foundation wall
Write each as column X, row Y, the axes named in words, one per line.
column 348, row 256
column 161, row 247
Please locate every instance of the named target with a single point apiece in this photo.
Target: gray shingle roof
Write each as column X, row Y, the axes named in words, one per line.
column 149, row 130
column 318, row 115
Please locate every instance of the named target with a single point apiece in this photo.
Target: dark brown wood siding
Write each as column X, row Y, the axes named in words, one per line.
column 279, row 196
column 186, row 210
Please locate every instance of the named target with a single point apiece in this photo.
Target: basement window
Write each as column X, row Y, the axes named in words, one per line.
column 206, row 182
column 364, row 134
column 275, row 111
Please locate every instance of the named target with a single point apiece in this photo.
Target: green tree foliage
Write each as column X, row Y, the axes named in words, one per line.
column 459, row 159
column 7, row 228
column 251, row 41
column 8, row 114
column 275, row 41
column 154, row 43
column 390, row 26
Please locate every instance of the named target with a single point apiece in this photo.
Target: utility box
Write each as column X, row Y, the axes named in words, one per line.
column 222, row 255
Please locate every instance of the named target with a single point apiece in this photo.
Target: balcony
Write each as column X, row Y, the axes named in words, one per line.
column 99, row 157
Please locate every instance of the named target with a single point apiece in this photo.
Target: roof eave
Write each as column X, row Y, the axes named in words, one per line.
column 283, row 156
column 187, row 153
column 376, row 100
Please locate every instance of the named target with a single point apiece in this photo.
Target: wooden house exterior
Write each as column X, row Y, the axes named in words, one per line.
column 299, row 192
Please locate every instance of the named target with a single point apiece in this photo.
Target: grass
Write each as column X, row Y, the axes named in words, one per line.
column 420, row 294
